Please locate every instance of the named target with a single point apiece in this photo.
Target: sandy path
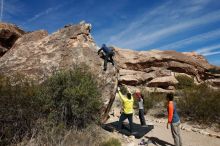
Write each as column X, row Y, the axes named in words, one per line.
column 161, row 136
column 189, row 138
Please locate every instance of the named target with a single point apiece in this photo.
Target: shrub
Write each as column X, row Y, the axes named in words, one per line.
column 151, row 99
column 70, row 96
column 60, row 136
column 19, row 108
column 73, row 97
column 200, row 102
column 184, row 82
column 111, row 142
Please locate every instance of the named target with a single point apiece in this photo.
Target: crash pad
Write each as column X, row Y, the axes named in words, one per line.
column 138, row 130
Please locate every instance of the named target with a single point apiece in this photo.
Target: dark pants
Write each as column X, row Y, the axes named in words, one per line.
column 108, row 58
column 130, row 119
column 141, row 117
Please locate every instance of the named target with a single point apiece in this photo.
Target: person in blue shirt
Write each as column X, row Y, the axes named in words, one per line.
column 108, row 54
column 173, row 120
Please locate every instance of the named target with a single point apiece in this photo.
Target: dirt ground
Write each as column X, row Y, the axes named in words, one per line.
column 161, row 136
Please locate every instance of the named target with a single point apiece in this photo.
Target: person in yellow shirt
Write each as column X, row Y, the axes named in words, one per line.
column 127, row 103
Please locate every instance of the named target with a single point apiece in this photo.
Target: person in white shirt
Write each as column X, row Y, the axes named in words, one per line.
column 140, row 98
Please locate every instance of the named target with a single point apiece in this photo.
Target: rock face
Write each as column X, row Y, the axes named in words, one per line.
column 163, row 82
column 8, row 35
column 158, row 68
column 38, row 55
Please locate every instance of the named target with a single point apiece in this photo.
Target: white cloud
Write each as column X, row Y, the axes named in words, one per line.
column 136, row 25
column 209, row 50
column 211, row 53
column 161, row 22
column 194, row 39
column 43, row 13
column 12, row 8
column 145, row 39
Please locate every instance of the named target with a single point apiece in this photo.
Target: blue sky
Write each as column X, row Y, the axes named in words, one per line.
column 180, row 25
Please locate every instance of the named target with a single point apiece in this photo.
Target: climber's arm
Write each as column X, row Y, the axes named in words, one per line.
column 100, row 50
column 120, row 94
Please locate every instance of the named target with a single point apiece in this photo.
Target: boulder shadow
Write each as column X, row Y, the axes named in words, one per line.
column 138, row 130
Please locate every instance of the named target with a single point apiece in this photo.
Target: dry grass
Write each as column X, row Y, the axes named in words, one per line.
column 67, row 99
column 59, row 136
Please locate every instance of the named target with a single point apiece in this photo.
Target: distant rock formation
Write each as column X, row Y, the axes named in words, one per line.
column 158, row 69
column 9, row 33
column 38, row 55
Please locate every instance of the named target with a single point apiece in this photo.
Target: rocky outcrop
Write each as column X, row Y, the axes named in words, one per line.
column 158, row 68
column 198, row 57
column 9, row 33
column 214, row 82
column 163, row 82
column 132, row 77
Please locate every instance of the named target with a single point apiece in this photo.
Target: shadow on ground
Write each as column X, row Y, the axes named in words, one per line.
column 157, row 141
column 138, row 130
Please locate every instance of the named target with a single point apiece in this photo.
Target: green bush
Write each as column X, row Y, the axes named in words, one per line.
column 19, row 108
column 67, row 98
column 111, row 142
column 184, row 82
column 200, row 102
column 151, row 99
column 73, row 97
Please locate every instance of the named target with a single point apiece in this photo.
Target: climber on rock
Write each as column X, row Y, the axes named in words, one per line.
column 108, row 54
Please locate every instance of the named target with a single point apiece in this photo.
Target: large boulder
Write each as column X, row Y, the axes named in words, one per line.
column 38, row 55
column 9, row 33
